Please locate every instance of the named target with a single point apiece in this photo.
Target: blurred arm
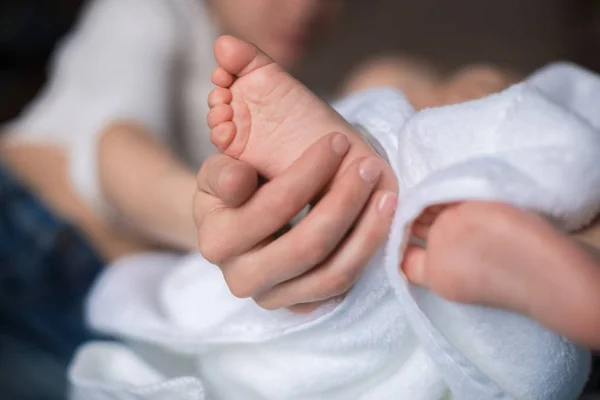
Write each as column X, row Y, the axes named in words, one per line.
column 147, row 185
column 108, row 105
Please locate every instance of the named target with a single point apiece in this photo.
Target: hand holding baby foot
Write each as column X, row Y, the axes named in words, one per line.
column 317, row 259
column 497, row 255
column 263, row 116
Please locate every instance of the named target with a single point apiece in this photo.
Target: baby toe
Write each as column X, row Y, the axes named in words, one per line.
column 222, row 135
column 219, row 96
column 219, row 114
column 221, row 77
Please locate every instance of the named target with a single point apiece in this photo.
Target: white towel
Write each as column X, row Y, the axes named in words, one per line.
column 572, row 87
column 189, row 338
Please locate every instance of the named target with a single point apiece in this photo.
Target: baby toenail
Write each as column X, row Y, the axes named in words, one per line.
column 340, row 144
column 370, row 170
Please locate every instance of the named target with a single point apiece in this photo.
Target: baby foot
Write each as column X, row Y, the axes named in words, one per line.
column 486, row 253
column 478, row 252
column 262, row 115
column 498, row 255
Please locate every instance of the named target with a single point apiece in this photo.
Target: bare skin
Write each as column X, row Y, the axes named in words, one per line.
column 200, row 210
column 43, row 170
column 253, row 114
column 497, row 255
column 225, row 191
column 258, row 105
column 481, row 253
column 425, row 86
column 157, row 200
column 474, row 82
column 150, row 190
column 417, row 79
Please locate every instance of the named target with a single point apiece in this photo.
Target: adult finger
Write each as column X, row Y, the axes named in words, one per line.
column 341, row 271
column 275, row 203
column 315, row 238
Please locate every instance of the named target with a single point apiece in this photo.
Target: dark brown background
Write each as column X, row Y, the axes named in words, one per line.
column 522, row 34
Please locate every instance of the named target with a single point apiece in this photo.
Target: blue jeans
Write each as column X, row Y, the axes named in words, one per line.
column 46, row 270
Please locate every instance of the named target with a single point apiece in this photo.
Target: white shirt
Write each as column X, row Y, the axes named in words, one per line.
column 144, row 61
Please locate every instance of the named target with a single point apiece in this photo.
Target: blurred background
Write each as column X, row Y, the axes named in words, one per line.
column 519, row 34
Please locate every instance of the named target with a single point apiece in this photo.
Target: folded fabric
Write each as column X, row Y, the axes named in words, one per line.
column 186, row 337
column 572, row 87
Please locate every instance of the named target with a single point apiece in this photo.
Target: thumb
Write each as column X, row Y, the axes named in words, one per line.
column 230, row 180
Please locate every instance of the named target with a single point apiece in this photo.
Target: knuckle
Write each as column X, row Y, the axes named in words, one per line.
column 238, row 286
column 209, row 251
column 337, row 284
column 214, row 238
column 243, row 279
column 213, row 248
column 267, row 304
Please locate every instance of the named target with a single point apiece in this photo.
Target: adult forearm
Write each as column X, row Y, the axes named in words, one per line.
column 147, row 185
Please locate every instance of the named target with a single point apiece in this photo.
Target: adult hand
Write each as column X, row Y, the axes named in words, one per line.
column 318, row 259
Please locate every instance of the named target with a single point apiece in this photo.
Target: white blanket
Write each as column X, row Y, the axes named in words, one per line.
column 535, row 146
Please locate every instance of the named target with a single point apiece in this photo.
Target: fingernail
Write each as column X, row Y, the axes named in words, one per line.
column 370, row 170
column 340, row 144
column 388, row 204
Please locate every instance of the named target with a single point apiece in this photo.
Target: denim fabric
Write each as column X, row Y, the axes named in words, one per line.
column 46, row 269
